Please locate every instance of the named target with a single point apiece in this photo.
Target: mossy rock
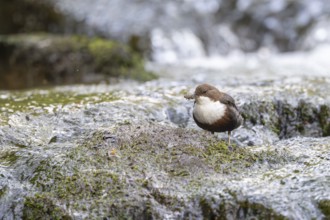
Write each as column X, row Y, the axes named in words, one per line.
column 3, row 189
column 324, row 118
column 30, row 60
column 112, row 173
column 241, row 210
column 249, row 210
column 30, row 100
column 324, row 206
column 288, row 120
column 42, row 207
column 8, row 158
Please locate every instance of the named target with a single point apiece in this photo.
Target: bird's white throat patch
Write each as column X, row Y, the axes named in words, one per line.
column 207, row 111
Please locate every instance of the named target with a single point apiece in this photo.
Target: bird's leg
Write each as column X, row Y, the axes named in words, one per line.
column 214, row 134
column 229, row 138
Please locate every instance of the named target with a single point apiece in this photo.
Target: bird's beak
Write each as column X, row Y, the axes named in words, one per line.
column 190, row 96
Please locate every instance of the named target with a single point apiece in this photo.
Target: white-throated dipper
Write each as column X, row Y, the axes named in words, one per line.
column 215, row 111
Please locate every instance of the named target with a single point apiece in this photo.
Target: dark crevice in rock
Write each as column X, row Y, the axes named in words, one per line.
column 222, row 210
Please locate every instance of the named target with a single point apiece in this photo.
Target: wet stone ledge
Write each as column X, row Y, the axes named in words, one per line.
column 133, row 151
column 287, row 120
column 164, row 172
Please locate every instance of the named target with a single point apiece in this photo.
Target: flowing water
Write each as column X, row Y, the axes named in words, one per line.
column 175, row 30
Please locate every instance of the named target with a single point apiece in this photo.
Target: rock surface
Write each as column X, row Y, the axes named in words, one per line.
column 132, row 150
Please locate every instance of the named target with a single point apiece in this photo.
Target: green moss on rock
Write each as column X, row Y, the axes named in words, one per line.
column 288, row 119
column 264, row 113
column 29, row 60
column 249, row 210
column 236, row 210
column 324, row 206
column 212, row 212
column 112, row 173
column 117, row 60
column 26, row 101
column 40, row 206
column 8, row 158
column 324, row 118
column 3, row 189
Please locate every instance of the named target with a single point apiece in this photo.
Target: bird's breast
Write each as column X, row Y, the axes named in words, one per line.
column 207, row 111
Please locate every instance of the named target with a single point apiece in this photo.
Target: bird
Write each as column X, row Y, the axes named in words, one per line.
column 215, row 111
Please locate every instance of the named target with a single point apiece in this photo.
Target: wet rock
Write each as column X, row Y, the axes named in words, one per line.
column 39, row 60
column 39, row 207
column 288, row 120
column 133, row 150
column 135, row 182
column 324, row 205
column 161, row 171
column 178, row 115
column 324, row 118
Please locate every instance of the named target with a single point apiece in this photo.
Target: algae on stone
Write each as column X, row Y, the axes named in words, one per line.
column 36, row 102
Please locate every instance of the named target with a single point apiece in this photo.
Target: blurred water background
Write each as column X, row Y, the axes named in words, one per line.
column 175, row 31
column 185, row 29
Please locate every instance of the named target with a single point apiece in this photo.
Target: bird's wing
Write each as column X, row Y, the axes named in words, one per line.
column 227, row 99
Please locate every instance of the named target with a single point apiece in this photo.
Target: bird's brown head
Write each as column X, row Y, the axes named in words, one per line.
column 207, row 91
column 204, row 90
